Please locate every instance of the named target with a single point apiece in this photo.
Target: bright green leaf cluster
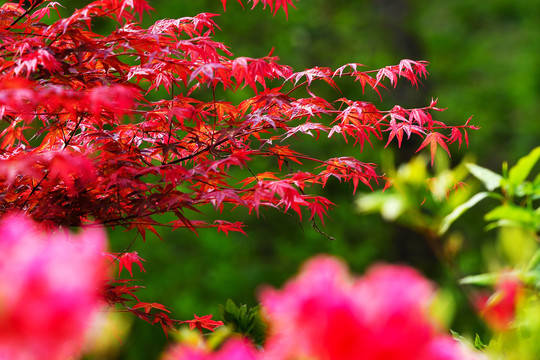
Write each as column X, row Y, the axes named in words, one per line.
column 244, row 320
column 517, row 195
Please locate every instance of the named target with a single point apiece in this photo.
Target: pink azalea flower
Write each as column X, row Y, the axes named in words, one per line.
column 48, row 289
column 234, row 349
column 315, row 315
column 324, row 314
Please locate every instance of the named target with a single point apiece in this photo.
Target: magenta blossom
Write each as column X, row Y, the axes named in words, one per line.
column 234, row 349
column 49, row 286
column 325, row 314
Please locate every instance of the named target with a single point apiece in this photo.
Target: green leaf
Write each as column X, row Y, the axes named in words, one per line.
column 512, row 215
column 519, row 172
column 458, row 211
column 478, row 344
column 482, row 279
column 536, row 181
column 456, row 336
column 534, row 263
column 490, row 179
column 231, row 308
column 526, row 188
column 244, row 320
column 243, row 311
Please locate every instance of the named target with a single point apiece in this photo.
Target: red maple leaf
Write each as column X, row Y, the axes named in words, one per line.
column 149, row 306
column 227, row 226
column 126, row 260
column 203, row 322
column 433, row 139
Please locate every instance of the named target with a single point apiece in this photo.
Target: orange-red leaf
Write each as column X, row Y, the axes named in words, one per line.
column 203, row 322
column 149, row 306
column 434, row 139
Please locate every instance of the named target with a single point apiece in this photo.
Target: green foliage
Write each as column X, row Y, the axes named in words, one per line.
column 419, row 198
column 521, row 342
column 434, row 208
column 517, row 195
column 490, row 179
column 518, row 174
column 459, row 210
column 478, row 344
column 516, row 255
column 482, row 279
column 244, row 320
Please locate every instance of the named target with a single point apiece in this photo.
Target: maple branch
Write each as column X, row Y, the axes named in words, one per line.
column 317, row 229
column 252, row 173
column 32, row 7
column 125, row 250
column 196, row 153
column 215, row 114
column 34, row 189
column 296, row 87
column 73, row 132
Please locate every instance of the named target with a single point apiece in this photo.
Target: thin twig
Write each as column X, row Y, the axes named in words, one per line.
column 34, row 5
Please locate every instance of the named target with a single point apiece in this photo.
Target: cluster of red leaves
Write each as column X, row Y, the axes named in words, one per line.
column 275, row 5
column 80, row 142
column 121, row 291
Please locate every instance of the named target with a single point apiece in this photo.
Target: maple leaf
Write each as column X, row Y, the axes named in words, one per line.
column 388, row 73
column 364, row 79
column 412, row 70
column 47, row 10
column 210, row 72
column 456, row 135
column 29, row 63
column 258, row 177
column 420, row 116
column 319, row 207
column 282, row 153
column 434, row 139
column 224, row 2
column 274, row 5
column 306, row 129
column 455, row 188
column 127, row 259
column 314, row 73
column 227, row 226
column 138, row 6
column 75, row 171
column 149, row 306
column 115, row 289
column 165, row 322
column 203, row 322
column 395, row 130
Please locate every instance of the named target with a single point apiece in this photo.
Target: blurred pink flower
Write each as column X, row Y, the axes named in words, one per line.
column 499, row 309
column 234, row 349
column 49, row 287
column 324, row 314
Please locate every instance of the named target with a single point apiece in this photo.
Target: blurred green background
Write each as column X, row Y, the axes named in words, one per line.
column 484, row 61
